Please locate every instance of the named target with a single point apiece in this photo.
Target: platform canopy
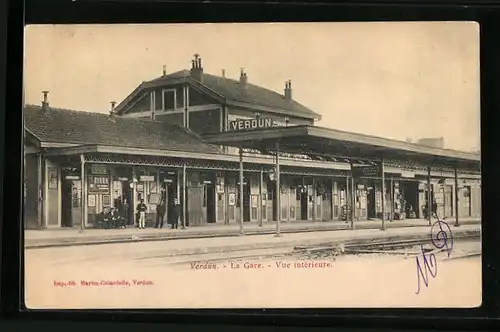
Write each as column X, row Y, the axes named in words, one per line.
column 318, row 141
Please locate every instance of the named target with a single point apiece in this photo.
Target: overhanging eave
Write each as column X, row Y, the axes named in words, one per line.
column 312, row 140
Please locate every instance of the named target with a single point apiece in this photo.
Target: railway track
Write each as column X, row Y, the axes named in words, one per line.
column 376, row 246
column 331, row 251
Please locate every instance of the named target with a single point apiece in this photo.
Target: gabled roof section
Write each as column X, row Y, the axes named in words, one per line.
column 58, row 125
column 230, row 91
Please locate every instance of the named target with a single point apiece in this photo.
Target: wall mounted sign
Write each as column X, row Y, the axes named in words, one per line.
column 117, row 189
column 232, row 199
column 367, row 171
column 91, row 200
column 407, row 174
column 154, row 198
column 147, row 178
column 98, row 169
column 52, row 175
column 153, row 188
column 72, row 177
column 255, row 201
column 122, row 179
column 250, row 124
column 98, row 184
column 106, row 200
column 168, row 180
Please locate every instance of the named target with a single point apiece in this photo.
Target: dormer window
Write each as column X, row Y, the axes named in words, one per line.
column 168, row 99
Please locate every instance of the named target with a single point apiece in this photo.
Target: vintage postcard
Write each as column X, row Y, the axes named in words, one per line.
column 311, row 165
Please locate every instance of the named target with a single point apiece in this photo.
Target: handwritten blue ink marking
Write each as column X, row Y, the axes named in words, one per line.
column 430, row 265
column 441, row 237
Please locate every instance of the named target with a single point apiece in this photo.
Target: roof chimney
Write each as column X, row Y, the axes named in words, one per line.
column 45, row 103
column 197, row 68
column 164, row 70
column 111, row 115
column 243, row 78
column 288, row 90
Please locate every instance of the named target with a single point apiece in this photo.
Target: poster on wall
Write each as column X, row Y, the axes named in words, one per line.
column 255, row 201
column 91, row 200
column 106, row 200
column 52, row 174
column 117, row 189
column 220, row 188
column 99, row 184
column 154, row 198
column 232, row 199
column 153, row 187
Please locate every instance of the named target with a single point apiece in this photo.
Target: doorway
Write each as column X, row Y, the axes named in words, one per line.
column 168, row 196
column 370, row 203
column 271, row 195
column 126, row 203
column 71, row 209
column 67, row 196
column 410, row 196
column 304, row 200
column 209, row 202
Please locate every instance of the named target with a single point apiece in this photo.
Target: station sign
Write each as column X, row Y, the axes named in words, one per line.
column 367, row 171
column 251, row 124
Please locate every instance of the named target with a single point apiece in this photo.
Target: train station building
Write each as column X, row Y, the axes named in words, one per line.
column 231, row 152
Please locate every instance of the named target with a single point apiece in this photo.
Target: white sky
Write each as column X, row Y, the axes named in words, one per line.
column 393, row 80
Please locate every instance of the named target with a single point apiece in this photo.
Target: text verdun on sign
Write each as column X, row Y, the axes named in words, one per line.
column 248, row 124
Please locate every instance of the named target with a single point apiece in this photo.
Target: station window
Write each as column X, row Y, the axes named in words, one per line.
column 168, row 99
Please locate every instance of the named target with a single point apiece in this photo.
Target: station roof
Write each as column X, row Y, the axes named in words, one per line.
column 79, row 128
column 313, row 140
column 229, row 91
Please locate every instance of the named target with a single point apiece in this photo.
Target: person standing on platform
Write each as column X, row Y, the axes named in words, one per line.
column 160, row 214
column 174, row 214
column 434, row 208
column 126, row 211
column 141, row 209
